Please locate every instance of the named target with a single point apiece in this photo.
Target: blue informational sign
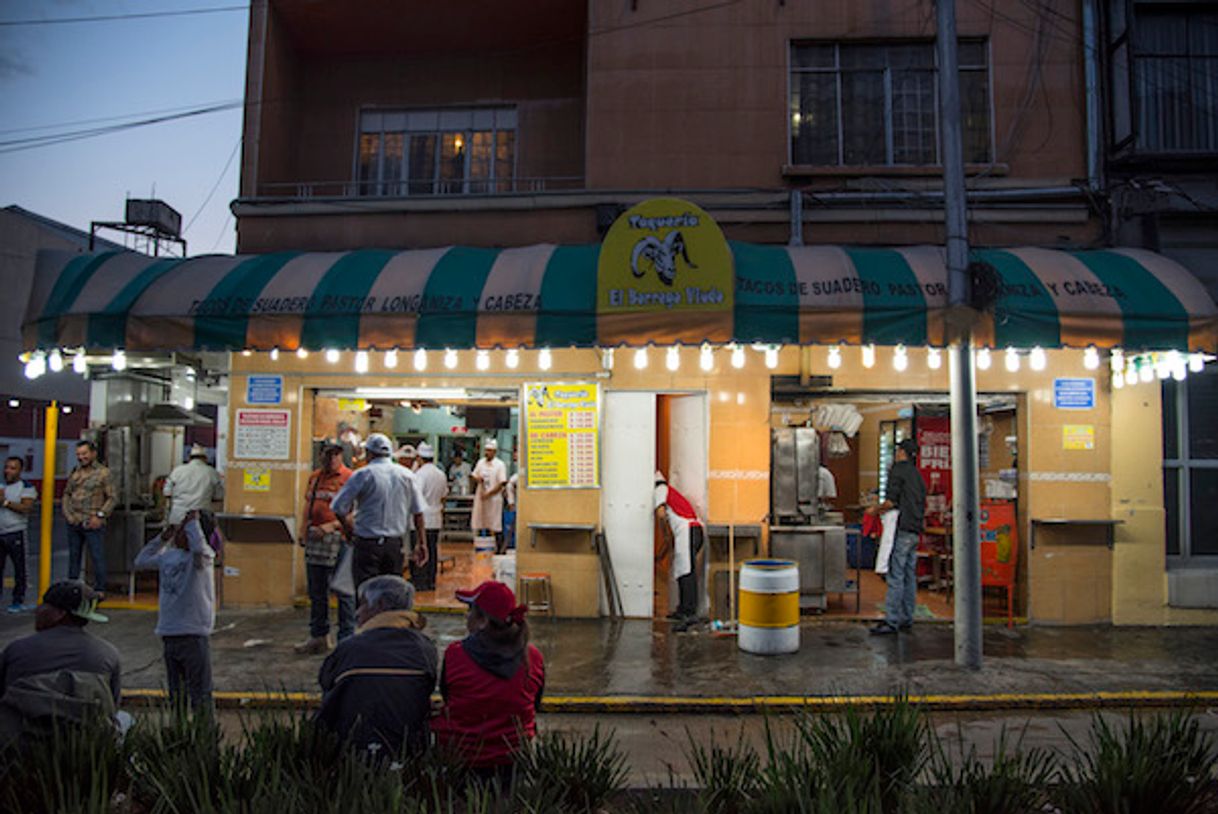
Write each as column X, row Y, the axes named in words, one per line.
column 264, row 390
column 1074, row 394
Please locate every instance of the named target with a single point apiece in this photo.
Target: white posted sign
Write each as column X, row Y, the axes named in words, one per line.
column 263, row 435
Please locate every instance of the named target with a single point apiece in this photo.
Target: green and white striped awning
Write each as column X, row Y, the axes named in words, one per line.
column 546, row 296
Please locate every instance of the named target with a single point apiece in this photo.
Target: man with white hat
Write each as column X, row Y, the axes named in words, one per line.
column 490, row 478
column 434, row 487
column 685, row 536
column 408, row 457
column 192, row 486
column 388, row 499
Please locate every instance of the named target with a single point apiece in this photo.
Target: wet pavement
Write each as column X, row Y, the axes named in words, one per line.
column 252, row 652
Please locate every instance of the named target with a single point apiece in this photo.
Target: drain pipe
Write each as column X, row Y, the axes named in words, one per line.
column 1091, row 70
column 797, row 218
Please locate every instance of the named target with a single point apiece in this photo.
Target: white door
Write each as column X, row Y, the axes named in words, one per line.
column 688, row 441
column 628, row 444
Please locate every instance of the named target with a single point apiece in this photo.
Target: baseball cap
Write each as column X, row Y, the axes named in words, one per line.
column 76, row 598
column 496, row 600
column 378, row 444
column 910, row 446
column 425, row 450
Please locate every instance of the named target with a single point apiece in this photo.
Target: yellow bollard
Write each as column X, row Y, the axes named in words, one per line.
column 48, row 497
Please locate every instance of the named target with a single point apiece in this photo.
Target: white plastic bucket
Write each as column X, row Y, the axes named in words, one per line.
column 484, row 553
column 769, row 607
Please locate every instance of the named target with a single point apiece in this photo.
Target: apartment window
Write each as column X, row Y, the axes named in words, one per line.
column 1190, row 466
column 436, row 152
column 1175, row 50
column 877, row 104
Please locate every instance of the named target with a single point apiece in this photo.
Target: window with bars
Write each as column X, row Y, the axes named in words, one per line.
column 856, row 104
column 1190, row 467
column 1175, row 77
column 436, row 152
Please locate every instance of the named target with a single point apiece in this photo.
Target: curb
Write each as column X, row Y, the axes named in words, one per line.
column 694, row 705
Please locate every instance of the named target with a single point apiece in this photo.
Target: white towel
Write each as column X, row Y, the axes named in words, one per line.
column 889, row 519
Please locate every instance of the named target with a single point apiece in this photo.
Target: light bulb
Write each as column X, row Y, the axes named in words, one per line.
column 67, row 409
column 420, row 360
column 188, row 403
column 868, row 355
column 1012, row 357
column 607, row 358
column 640, row 359
column 1179, row 370
column 512, row 359
column 984, row 360
column 1162, row 366
column 119, row 360
column 1118, row 380
column 544, row 360
column 482, row 360
column 14, row 403
column 1196, row 363
column 771, row 357
column 672, row 358
column 302, row 353
column 246, row 352
column 1131, row 373
column 900, row 360
column 274, row 354
column 391, row 358
column 737, row 356
column 332, row 356
column 450, row 358
column 1036, row 359
column 79, row 363
column 1146, row 372
column 835, row 357
column 361, row 361
column 1091, row 358
column 1116, row 360
column 55, row 360
column 934, row 358
column 35, row 366
column 706, row 359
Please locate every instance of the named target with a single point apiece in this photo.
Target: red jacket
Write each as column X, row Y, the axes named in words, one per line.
column 483, row 714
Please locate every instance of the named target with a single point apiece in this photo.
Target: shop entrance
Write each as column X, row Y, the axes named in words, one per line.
column 455, row 423
column 856, row 435
column 644, row 432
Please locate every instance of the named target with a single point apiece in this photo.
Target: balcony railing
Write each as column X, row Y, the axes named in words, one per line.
column 418, row 190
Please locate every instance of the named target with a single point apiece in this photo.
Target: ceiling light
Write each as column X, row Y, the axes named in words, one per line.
column 302, row 353
column 36, row 366
column 67, row 409
column 1146, row 371
column 607, row 358
column 1012, row 357
column 737, row 356
column 868, row 356
column 188, row 403
column 14, row 403
column 391, row 358
column 706, row 359
column 80, row 364
column 482, row 360
column 512, row 359
column 900, row 359
column 1116, row 360
column 984, row 360
column 450, row 358
column 640, row 358
column 119, row 360
column 332, row 356
column 1118, row 380
column 771, row 357
column 1196, row 363
column 934, row 358
column 420, row 360
column 544, row 361
column 246, row 352
column 672, row 358
column 835, row 357
column 1037, row 359
column 55, row 360
column 1131, row 373
column 1091, row 358
column 274, row 354
column 361, row 361
column 1162, row 366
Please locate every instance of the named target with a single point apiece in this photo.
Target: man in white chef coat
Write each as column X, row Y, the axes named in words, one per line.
column 490, row 479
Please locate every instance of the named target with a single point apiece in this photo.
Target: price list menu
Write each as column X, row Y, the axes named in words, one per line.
column 561, row 422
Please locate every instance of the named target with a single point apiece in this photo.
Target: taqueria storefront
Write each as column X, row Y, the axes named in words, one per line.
column 739, row 370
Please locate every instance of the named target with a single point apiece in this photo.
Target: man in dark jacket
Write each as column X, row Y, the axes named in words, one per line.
column 907, row 494
column 376, row 686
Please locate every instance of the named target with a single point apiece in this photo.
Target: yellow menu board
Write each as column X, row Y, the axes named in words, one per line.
column 562, row 423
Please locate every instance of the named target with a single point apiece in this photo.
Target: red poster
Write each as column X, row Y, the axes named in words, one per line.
column 935, row 463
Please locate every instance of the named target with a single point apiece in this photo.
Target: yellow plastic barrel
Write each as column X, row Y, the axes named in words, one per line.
column 769, row 607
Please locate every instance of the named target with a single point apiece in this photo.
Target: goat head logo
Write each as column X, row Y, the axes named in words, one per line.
column 661, row 254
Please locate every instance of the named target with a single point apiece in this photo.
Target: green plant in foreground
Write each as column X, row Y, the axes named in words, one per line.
column 728, row 777
column 1015, row 781
column 72, row 768
column 556, row 772
column 1161, row 763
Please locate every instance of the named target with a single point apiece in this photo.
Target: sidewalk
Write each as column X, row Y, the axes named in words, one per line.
column 640, row 666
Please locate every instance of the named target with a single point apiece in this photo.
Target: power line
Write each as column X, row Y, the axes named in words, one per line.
column 33, row 142
column 179, row 109
column 214, row 187
column 104, row 18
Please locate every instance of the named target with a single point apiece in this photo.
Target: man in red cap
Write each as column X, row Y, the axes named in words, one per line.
column 491, row 682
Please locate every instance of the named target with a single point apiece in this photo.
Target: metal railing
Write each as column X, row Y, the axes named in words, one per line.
column 408, row 189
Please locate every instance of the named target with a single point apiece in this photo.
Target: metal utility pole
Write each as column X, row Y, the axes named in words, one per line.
column 966, row 539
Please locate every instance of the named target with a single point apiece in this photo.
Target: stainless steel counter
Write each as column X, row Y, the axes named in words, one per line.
column 820, row 552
